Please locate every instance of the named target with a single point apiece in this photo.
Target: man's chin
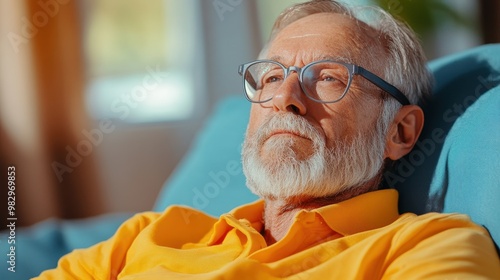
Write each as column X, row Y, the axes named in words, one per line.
column 273, row 152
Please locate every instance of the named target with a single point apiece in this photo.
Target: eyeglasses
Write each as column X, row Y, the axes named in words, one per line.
column 324, row 81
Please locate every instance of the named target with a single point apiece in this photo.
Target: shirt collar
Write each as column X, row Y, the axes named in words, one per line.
column 361, row 213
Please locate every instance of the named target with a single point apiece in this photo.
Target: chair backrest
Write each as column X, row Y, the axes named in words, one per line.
column 455, row 166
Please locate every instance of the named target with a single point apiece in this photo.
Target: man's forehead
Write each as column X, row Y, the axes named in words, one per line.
column 322, row 36
column 316, row 57
column 321, row 24
column 306, row 35
column 300, row 50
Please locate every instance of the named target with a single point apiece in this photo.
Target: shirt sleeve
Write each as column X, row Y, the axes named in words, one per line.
column 104, row 260
column 452, row 248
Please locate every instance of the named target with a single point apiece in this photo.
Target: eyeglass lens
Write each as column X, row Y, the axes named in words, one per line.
column 322, row 81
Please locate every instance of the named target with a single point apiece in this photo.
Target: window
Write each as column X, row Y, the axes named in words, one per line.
column 139, row 56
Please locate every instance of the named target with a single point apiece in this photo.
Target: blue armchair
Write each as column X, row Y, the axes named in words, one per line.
column 453, row 168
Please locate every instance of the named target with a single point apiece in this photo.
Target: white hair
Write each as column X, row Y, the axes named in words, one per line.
column 405, row 61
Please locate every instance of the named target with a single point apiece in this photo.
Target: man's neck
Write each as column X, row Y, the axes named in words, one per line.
column 279, row 213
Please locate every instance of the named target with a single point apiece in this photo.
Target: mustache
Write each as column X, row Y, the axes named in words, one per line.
column 286, row 122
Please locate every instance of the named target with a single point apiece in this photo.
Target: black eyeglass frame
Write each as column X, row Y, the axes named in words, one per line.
column 352, row 69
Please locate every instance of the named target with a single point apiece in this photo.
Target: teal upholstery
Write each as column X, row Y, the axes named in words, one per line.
column 467, row 177
column 460, row 80
column 39, row 247
column 453, row 168
column 461, row 173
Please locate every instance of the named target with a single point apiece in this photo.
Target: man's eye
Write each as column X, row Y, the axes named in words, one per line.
column 328, row 79
column 272, row 79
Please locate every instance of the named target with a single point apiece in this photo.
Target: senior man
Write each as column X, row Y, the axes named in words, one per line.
column 333, row 103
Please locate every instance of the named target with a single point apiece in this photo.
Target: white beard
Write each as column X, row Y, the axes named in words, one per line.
column 325, row 173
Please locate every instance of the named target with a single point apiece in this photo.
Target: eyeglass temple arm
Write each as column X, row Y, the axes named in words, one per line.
column 385, row 86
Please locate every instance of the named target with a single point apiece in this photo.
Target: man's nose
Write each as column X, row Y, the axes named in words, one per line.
column 289, row 96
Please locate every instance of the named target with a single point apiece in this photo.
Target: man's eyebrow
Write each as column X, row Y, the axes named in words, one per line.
column 276, row 58
column 336, row 58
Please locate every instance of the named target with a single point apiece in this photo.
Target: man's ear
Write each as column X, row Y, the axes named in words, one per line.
column 404, row 131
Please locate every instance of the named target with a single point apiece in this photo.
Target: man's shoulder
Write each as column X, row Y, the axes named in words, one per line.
column 450, row 219
column 433, row 223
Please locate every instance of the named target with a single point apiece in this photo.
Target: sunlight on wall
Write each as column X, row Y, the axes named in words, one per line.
column 18, row 111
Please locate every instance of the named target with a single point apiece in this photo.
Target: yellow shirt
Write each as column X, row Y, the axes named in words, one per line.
column 360, row 238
